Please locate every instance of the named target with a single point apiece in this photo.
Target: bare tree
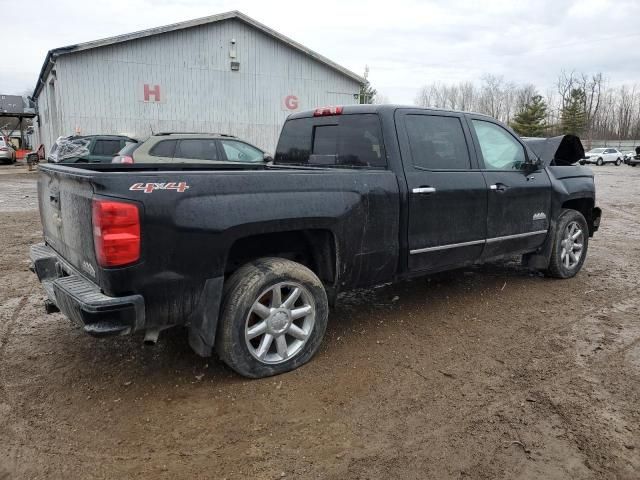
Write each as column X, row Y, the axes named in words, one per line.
column 610, row 113
column 524, row 94
column 468, row 96
column 492, row 96
column 380, row 99
column 566, row 82
column 592, row 86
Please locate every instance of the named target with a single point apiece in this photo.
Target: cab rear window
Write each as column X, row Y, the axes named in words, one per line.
column 341, row 140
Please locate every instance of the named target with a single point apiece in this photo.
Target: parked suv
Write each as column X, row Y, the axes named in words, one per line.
column 191, row 148
column 627, row 155
column 7, row 153
column 634, row 160
column 600, row 156
column 88, row 149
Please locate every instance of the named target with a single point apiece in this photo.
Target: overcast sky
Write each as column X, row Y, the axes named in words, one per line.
column 405, row 43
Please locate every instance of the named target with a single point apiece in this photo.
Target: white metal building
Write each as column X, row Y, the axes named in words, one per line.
column 225, row 73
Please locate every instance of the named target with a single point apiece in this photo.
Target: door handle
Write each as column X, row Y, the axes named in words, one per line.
column 499, row 187
column 424, row 190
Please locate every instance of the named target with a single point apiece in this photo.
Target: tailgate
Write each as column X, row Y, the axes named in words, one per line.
column 65, row 212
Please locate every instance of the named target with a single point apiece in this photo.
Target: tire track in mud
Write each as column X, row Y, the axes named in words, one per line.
column 4, row 341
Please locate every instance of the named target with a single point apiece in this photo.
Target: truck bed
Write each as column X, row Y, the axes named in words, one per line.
column 187, row 234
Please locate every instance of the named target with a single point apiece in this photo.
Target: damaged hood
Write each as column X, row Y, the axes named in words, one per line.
column 563, row 150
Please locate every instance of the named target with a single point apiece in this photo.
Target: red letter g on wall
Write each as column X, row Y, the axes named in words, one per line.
column 291, row 102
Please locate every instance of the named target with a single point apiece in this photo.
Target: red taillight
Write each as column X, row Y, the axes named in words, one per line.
column 122, row 159
column 326, row 111
column 116, row 232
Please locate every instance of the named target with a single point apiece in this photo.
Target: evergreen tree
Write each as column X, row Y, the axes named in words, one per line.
column 367, row 93
column 531, row 120
column 574, row 118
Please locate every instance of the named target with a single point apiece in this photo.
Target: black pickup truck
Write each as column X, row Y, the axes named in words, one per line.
column 249, row 257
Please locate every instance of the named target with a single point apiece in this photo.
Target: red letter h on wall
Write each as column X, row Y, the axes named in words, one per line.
column 148, row 92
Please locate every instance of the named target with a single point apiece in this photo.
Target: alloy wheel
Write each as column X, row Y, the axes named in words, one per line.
column 572, row 244
column 280, row 322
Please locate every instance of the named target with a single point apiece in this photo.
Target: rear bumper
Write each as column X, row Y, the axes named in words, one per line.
column 82, row 300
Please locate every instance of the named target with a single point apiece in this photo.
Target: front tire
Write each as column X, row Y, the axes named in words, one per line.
column 618, row 162
column 274, row 316
column 599, row 162
column 569, row 245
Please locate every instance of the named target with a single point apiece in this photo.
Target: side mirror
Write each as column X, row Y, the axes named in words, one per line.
column 532, row 164
column 267, row 158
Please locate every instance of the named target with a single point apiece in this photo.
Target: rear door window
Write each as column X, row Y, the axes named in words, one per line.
column 106, row 147
column 197, row 149
column 342, row 140
column 164, row 148
column 437, row 142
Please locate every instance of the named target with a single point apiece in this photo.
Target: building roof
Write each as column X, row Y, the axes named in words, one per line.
column 52, row 54
column 11, row 104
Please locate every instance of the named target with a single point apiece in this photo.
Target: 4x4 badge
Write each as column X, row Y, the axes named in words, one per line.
column 539, row 216
column 179, row 187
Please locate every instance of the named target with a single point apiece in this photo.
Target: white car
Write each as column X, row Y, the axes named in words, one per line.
column 600, row 156
column 7, row 152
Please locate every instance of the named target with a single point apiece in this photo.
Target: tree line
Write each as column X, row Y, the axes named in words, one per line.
column 581, row 104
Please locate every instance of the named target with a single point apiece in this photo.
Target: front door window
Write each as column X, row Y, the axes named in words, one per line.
column 500, row 150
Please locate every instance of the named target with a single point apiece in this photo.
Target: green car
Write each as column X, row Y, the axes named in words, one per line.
column 88, row 149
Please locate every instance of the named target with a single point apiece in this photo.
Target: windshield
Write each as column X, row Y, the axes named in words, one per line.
column 597, row 150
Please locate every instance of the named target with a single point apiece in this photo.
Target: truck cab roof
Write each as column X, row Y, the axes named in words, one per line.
column 371, row 108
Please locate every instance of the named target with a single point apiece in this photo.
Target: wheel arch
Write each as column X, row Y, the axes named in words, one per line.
column 315, row 248
column 585, row 206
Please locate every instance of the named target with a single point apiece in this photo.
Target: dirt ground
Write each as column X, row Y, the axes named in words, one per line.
column 482, row 374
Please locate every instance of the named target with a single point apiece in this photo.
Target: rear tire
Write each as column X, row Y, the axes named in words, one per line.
column 263, row 332
column 599, row 162
column 569, row 245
